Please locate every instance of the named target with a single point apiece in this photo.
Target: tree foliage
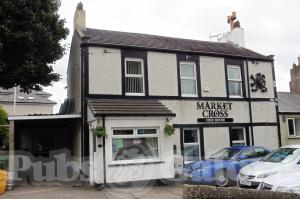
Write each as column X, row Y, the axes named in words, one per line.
column 31, row 32
column 3, row 122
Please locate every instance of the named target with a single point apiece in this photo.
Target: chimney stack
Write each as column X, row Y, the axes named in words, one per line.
column 295, row 78
column 236, row 33
column 79, row 17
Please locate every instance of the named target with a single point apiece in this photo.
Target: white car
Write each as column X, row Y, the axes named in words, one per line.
column 286, row 158
column 282, row 182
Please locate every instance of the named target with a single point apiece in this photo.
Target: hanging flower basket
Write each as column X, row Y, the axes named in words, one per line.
column 100, row 132
column 169, row 130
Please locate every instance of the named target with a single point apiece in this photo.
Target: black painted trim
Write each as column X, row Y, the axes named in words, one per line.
column 202, row 148
column 207, row 125
column 134, row 115
column 212, row 54
column 189, row 58
column 181, row 141
column 140, row 55
column 277, row 109
column 247, row 136
column 230, row 135
column 103, row 96
column 289, row 113
column 249, row 103
column 236, row 62
column 136, row 163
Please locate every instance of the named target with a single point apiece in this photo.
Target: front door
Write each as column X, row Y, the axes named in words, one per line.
column 191, row 145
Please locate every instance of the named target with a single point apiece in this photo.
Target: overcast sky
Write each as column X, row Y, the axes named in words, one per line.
column 271, row 26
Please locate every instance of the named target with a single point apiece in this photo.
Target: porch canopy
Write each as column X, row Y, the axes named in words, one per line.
column 128, row 107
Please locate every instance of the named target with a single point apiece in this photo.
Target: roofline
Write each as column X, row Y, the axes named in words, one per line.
column 288, row 113
column 108, row 45
column 135, row 114
column 43, row 103
column 42, row 117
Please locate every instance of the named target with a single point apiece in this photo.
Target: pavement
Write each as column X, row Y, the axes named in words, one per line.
column 59, row 192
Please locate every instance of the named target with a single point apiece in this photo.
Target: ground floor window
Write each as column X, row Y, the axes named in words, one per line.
column 135, row 144
column 293, row 126
column 238, row 136
column 191, row 144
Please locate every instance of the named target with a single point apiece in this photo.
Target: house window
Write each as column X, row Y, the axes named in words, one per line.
column 191, row 145
column 134, row 77
column 238, row 136
column 293, row 126
column 135, row 144
column 234, row 81
column 188, row 79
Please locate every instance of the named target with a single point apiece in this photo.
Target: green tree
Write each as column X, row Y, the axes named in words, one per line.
column 3, row 122
column 31, row 33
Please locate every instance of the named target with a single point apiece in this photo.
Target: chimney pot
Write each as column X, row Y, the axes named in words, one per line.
column 298, row 60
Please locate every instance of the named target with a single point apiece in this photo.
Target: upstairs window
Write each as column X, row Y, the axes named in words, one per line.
column 293, row 126
column 188, row 79
column 234, row 81
column 134, row 77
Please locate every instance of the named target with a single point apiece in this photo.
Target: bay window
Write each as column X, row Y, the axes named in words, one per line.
column 135, row 144
column 188, row 79
column 234, row 80
column 134, row 76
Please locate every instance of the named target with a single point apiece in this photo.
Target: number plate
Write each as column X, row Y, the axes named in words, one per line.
column 245, row 182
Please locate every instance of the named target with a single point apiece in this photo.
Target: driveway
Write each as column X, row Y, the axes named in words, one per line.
column 52, row 192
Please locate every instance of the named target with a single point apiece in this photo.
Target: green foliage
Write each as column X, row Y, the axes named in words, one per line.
column 100, row 132
column 3, row 121
column 169, row 130
column 30, row 41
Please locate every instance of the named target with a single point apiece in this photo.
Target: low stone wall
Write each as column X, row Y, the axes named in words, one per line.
column 211, row 192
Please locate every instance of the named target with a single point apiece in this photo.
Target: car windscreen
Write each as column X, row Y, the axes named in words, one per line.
column 282, row 155
column 224, row 154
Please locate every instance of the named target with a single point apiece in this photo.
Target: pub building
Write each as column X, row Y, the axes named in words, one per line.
column 128, row 87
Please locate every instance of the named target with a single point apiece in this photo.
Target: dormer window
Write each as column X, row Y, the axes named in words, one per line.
column 134, row 77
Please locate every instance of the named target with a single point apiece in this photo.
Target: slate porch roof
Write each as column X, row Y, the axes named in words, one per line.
column 40, row 97
column 162, row 43
column 128, row 107
column 288, row 102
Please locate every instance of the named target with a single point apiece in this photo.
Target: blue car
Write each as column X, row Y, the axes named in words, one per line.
column 222, row 167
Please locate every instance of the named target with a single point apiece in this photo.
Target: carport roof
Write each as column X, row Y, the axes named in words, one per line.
column 128, row 107
column 43, row 117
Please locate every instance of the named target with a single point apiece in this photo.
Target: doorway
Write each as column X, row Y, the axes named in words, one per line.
column 191, row 145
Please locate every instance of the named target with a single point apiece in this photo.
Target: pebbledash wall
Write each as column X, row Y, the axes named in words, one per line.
column 213, row 115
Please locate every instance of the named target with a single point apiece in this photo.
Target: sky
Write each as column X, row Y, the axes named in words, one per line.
column 271, row 26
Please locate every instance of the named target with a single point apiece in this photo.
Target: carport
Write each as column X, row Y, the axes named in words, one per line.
column 39, row 137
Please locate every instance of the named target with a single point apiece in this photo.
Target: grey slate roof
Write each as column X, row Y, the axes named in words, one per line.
column 126, row 39
column 128, row 107
column 288, row 103
column 40, row 97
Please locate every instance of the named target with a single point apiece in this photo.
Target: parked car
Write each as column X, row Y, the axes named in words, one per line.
column 223, row 166
column 283, row 159
column 282, row 182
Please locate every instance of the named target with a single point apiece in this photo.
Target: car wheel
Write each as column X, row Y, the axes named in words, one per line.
column 221, row 178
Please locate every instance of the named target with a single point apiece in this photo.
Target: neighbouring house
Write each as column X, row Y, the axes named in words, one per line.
column 131, row 85
column 36, row 102
column 289, row 109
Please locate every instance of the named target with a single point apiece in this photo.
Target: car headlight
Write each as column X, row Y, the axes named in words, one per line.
column 264, row 175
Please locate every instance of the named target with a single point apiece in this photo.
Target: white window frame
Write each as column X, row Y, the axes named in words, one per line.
column 294, row 125
column 235, row 80
column 239, row 141
column 131, row 75
column 136, row 135
column 190, row 78
column 193, row 143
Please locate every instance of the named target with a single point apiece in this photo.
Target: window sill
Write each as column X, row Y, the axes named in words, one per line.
column 135, row 94
column 293, row 137
column 236, row 96
column 135, row 163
